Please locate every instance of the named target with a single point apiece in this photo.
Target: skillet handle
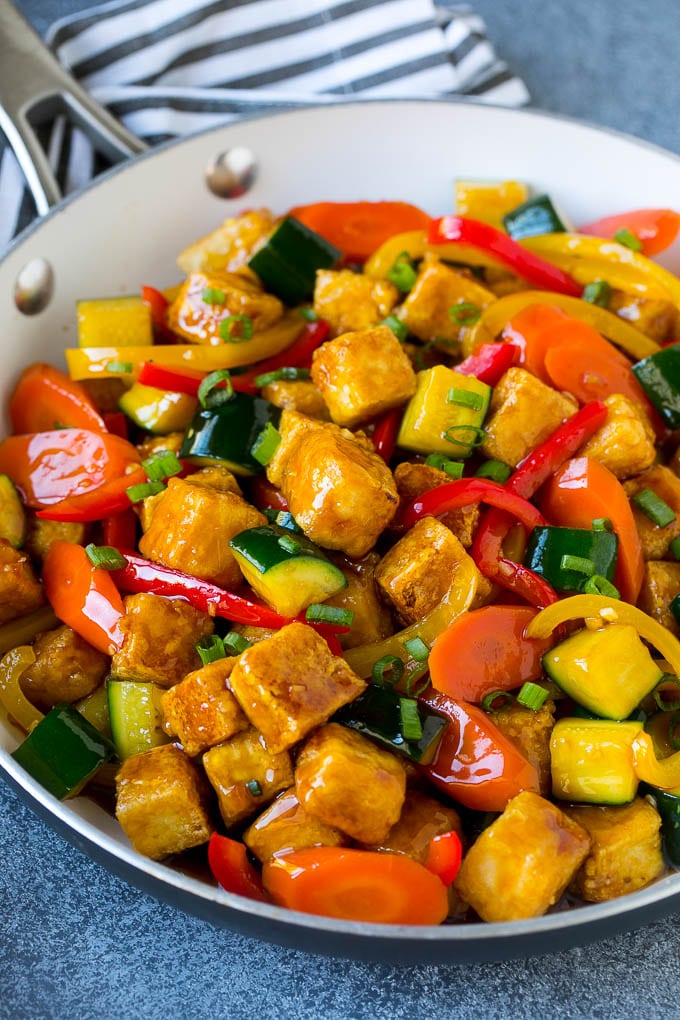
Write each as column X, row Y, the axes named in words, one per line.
column 34, row 88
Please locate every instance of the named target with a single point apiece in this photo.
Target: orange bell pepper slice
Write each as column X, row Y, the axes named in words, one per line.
column 655, row 229
column 46, row 398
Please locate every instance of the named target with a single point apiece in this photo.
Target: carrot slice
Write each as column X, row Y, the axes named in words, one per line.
column 359, row 228
column 83, row 596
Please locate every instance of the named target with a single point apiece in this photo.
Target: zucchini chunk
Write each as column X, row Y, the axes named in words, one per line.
column 592, row 762
column 114, row 322
column 157, row 411
column 554, row 552
column 445, row 414
column 135, row 716
column 535, row 216
column 377, row 714
column 12, row 514
column 287, row 262
column 226, row 434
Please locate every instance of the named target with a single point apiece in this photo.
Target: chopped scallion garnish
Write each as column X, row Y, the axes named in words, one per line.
column 254, row 788
column 417, row 649
column 214, row 296
column 653, row 507
column 235, row 643
column 137, row 493
column 628, row 239
column 413, row 690
column 105, row 556
column 236, row 328
column 399, row 328
column 402, row 273
column 532, row 696
column 388, row 671
column 265, row 446
column 163, row 464
column 602, row 524
column 495, row 700
column 496, row 470
column 465, row 398
column 281, row 373
column 667, row 682
column 597, row 293
column 453, row 468
column 599, row 585
column 579, row 564
column 411, row 726
column 210, row 649
column 308, row 314
column 125, row 367
column 288, row 543
column 465, row 313
column 452, row 435
column 216, row 388
column 319, row 613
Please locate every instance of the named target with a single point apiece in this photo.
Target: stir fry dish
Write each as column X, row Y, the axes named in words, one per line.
column 350, row 565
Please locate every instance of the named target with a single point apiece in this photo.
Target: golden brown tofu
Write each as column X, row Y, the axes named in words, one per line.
column 372, row 620
column 522, row 863
column 41, row 534
column 160, row 444
column 665, row 484
column 177, row 536
column 350, row 783
column 422, row 818
column 161, row 802
column 413, row 480
column 297, row 395
column 191, row 316
column 159, row 639
column 340, row 492
column 655, row 318
column 439, row 288
column 362, row 374
column 660, row 585
column 253, row 634
column 200, row 710
column 66, row 668
column 291, row 683
column 530, row 731
column 217, row 477
column 625, row 443
column 349, row 301
column 245, row 775
column 285, row 825
column 415, row 574
column 20, row 590
column 524, row 412
column 229, row 246
column 625, row 852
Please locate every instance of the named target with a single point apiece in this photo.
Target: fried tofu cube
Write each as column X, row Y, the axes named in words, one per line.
column 177, row 536
column 340, row 492
column 361, row 374
column 230, row 245
column 291, row 683
column 421, row 819
column 665, row 484
column 285, row 825
column 439, row 288
column 20, row 590
column 159, row 639
column 245, row 775
column 625, row 443
column 524, row 412
column 660, row 585
column 350, row 301
column 654, row 317
column 66, row 668
column 217, row 477
column 201, row 710
column 41, row 534
column 297, row 395
column 625, row 852
column 161, row 802
column 199, row 321
column 530, row 731
column 413, row 480
column 372, row 620
column 350, row 783
column 522, row 863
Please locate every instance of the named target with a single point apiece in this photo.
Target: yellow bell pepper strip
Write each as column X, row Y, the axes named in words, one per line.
column 456, row 601
column 114, row 362
column 594, row 258
column 415, row 244
column 663, row 773
column 608, row 610
column 19, row 632
column 496, row 316
column 12, row 698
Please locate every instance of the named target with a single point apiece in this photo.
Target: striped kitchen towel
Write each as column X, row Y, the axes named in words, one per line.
column 170, row 67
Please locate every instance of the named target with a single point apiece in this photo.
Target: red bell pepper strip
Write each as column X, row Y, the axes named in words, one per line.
column 231, row 868
column 83, row 596
column 158, row 304
column 46, row 398
column 444, row 855
column 359, row 228
column 465, row 491
column 174, row 380
column 656, row 229
column 107, row 499
column 116, row 423
column 530, row 267
column 120, row 530
column 475, row 763
column 264, row 495
column 385, row 433
column 489, row 362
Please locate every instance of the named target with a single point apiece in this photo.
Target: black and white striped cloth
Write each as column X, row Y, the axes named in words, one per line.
column 171, row 67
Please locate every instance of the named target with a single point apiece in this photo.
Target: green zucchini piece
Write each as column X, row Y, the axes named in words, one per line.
column 114, row 322
column 287, row 262
column 226, row 434
column 157, row 411
column 63, row 751
column 668, row 806
column 591, row 761
column 376, row 713
column 12, row 513
column 95, row 708
column 547, row 546
column 535, row 216
column 445, row 414
column 608, row 671
column 659, row 376
column 135, row 715
column 285, row 569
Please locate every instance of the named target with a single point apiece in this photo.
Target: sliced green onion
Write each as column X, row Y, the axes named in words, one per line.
column 599, row 585
column 674, row 548
column 532, row 696
column 674, row 731
column 399, row 328
column 119, row 366
column 319, row 613
column 597, row 293
column 628, row 239
column 281, row 373
column 389, row 664
column 265, row 446
column 579, row 564
column 214, row 296
column 602, row 524
column 402, row 273
column 496, row 470
column 235, row 643
column 465, row 398
column 236, row 328
column 136, row 493
column 496, row 699
column 288, row 543
column 411, row 726
column 653, row 507
column 478, row 433
column 663, row 703
column 453, row 468
column 163, row 464
column 417, row 649
column 216, row 388
column 415, row 674
column 105, row 556
column 308, row 314
column 254, row 788
column 210, row 649
column 465, row 313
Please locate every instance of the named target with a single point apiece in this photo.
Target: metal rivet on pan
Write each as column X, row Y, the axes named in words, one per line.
column 34, row 286
column 232, row 173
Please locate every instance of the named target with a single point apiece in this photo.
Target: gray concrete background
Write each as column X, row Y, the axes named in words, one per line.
column 77, row 942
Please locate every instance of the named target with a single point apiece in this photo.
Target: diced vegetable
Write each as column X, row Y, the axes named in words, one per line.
column 592, row 761
column 158, row 411
column 377, row 715
column 114, row 322
column 446, row 413
column 12, row 513
column 537, row 215
column 288, row 260
column 136, row 716
column 226, row 434
column 567, row 557
column 659, row 376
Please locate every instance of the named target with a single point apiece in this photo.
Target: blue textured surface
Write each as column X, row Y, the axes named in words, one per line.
column 77, row 942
